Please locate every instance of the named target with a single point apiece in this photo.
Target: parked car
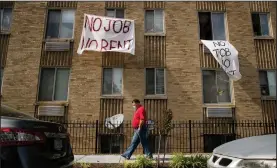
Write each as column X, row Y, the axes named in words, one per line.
column 27, row 142
column 251, row 152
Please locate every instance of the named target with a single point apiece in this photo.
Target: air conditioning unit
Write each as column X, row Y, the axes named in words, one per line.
column 219, row 112
column 57, row 111
column 57, row 46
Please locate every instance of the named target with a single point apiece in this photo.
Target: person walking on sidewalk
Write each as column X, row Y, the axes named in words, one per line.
column 140, row 132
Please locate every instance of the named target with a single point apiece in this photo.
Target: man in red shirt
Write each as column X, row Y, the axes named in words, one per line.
column 140, row 131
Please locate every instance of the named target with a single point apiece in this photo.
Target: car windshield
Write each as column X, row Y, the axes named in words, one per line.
column 10, row 112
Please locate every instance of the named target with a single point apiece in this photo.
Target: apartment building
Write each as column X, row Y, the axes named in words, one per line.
column 43, row 75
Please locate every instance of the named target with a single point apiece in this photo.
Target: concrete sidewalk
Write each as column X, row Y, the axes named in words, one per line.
column 109, row 158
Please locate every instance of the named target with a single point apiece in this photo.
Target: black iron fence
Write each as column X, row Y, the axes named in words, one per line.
column 185, row 136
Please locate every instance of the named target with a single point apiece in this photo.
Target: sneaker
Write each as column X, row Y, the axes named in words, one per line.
column 125, row 157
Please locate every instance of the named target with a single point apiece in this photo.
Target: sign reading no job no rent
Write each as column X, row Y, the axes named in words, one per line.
column 226, row 55
column 107, row 34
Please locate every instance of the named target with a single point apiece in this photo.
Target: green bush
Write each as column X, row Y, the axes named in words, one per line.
column 181, row 161
column 140, row 162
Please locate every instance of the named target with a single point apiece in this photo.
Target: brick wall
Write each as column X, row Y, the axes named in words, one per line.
column 184, row 83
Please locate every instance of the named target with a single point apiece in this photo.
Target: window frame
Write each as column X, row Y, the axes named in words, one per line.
column 165, row 79
column 266, row 71
column 115, row 10
column 268, row 24
column 225, row 24
column 102, row 82
column 46, row 23
column 2, row 77
column 1, row 18
column 55, row 76
column 231, row 90
column 154, row 32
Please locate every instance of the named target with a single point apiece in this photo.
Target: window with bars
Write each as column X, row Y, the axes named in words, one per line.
column 60, row 23
column 155, row 81
column 53, row 84
column 216, row 86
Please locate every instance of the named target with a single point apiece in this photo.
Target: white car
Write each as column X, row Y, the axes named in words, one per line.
column 251, row 152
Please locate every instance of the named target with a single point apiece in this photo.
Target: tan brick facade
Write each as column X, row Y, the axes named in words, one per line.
column 182, row 59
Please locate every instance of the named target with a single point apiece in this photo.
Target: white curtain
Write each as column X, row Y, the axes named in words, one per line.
column 117, row 80
column 67, row 23
column 271, row 77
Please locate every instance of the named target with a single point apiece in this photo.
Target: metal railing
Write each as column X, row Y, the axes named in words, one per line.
column 185, row 136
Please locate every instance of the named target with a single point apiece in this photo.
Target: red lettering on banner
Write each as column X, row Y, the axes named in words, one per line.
column 103, row 46
column 109, row 25
column 111, row 44
column 87, row 45
column 95, row 41
column 114, row 24
column 94, row 23
column 126, row 27
column 89, row 23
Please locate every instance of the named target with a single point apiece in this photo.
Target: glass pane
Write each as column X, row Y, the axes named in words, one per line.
column 205, row 25
column 149, row 21
column 271, row 76
column 68, row 17
column 107, row 80
column 46, row 84
column 119, row 13
column 111, row 13
column 7, row 19
column 264, row 24
column 53, row 24
column 263, row 83
column 218, row 26
column 159, row 81
column 209, row 87
column 150, row 81
column 117, row 80
column 61, row 85
column 158, row 25
column 256, row 24
column 223, row 87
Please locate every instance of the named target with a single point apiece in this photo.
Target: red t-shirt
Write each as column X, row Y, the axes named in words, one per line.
column 140, row 114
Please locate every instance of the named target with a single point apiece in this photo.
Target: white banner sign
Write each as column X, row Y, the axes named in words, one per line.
column 226, row 55
column 107, row 34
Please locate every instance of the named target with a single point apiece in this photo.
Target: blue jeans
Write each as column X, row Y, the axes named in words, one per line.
column 140, row 136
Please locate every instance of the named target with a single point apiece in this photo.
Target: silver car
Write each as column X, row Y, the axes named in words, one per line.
column 251, row 152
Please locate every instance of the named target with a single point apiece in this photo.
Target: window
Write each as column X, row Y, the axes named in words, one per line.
column 260, row 24
column 216, row 87
column 115, row 13
column 5, row 19
column 268, row 83
column 154, row 21
column 60, row 23
column 53, row 84
column 112, row 81
column 211, row 26
column 155, row 81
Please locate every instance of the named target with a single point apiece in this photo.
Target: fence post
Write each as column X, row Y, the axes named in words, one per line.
column 233, row 129
column 96, row 137
column 190, row 138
